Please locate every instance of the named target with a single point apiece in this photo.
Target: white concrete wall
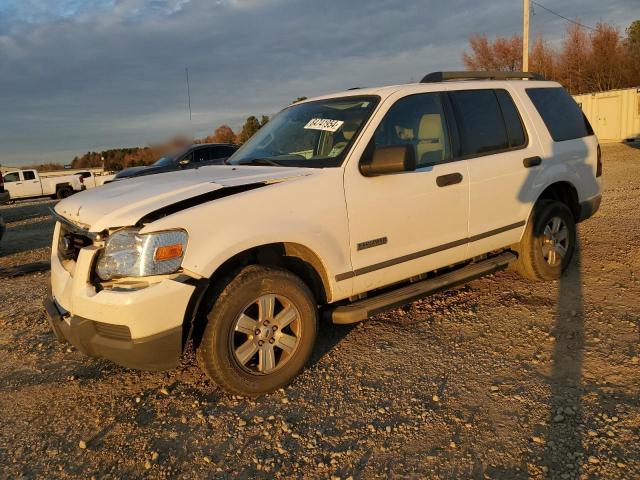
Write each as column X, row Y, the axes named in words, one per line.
column 614, row 115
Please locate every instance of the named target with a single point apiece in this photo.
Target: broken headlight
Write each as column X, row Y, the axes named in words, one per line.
column 128, row 253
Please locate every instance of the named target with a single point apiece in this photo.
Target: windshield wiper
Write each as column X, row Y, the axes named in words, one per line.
column 260, row 161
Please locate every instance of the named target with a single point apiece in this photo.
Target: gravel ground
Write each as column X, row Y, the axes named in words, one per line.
column 502, row 378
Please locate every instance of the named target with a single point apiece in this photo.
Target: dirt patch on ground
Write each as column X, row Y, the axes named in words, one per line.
column 502, row 378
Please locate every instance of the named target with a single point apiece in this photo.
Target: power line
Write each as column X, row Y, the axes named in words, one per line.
column 562, row 16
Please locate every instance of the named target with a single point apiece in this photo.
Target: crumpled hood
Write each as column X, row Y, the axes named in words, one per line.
column 121, row 204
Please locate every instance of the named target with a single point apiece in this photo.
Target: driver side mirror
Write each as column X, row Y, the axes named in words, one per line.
column 387, row 160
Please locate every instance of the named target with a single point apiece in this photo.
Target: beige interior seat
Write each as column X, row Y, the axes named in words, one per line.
column 430, row 146
column 345, row 134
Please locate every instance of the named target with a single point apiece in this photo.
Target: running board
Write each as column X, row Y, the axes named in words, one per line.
column 362, row 309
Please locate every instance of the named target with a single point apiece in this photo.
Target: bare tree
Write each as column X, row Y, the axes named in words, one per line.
column 601, row 60
column 543, row 58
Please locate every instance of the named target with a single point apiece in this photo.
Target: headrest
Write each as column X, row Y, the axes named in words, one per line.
column 430, row 127
column 348, row 129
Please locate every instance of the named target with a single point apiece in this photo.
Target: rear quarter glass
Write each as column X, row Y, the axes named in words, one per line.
column 560, row 113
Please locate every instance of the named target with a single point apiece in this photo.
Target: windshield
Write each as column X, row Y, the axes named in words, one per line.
column 314, row 134
column 165, row 161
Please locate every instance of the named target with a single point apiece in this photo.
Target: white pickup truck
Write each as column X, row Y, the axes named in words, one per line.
column 28, row 183
column 4, row 197
column 343, row 205
column 91, row 180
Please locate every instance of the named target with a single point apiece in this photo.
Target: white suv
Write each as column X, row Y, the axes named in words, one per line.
column 346, row 204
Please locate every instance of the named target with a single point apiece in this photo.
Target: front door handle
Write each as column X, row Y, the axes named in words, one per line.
column 449, row 179
column 531, row 162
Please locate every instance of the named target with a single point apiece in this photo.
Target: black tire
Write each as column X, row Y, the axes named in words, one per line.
column 64, row 192
column 216, row 351
column 533, row 262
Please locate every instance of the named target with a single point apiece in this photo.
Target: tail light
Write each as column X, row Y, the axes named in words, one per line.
column 599, row 164
column 81, row 179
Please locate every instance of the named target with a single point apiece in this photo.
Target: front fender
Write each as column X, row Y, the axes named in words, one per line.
column 309, row 211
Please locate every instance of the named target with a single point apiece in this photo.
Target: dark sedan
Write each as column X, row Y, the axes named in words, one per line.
column 194, row 156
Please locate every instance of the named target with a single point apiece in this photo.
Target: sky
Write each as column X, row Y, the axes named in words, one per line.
column 80, row 75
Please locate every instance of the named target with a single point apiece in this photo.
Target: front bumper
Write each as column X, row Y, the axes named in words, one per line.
column 143, row 327
column 156, row 352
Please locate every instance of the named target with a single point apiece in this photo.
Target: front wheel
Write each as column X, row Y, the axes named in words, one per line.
column 260, row 332
column 548, row 243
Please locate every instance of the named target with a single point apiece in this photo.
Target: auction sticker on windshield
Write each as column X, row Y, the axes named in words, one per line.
column 324, row 124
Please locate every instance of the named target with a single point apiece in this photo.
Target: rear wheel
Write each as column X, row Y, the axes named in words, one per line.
column 260, row 331
column 549, row 241
column 64, row 192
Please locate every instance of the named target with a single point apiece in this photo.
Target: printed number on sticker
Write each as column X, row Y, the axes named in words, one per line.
column 324, row 124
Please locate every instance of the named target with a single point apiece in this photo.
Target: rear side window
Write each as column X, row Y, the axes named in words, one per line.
column 220, row 152
column 480, row 124
column 515, row 130
column 29, row 175
column 560, row 113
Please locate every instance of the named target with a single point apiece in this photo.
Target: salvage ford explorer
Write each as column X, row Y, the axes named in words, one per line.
column 343, row 205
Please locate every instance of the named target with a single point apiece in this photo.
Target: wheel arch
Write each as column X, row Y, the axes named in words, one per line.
column 294, row 257
column 562, row 191
column 297, row 258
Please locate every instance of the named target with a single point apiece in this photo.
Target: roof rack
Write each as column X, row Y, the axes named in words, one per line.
column 434, row 77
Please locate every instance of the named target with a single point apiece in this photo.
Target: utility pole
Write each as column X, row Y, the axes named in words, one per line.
column 186, row 70
column 525, row 36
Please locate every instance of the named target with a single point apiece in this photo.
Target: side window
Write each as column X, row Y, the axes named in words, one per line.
column 201, row 155
column 11, row 177
column 218, row 152
column 480, row 122
column 417, row 120
column 29, row 175
column 560, row 113
column 227, row 151
column 512, row 120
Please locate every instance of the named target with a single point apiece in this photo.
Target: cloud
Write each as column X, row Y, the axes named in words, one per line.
column 80, row 75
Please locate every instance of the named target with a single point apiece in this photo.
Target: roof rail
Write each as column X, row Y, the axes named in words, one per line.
column 434, row 77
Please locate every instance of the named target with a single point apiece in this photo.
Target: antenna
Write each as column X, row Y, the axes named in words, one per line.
column 188, row 95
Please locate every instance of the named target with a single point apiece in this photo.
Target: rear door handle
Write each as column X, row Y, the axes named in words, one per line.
column 449, row 179
column 531, row 162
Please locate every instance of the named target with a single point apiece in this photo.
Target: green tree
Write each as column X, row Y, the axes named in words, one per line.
column 264, row 120
column 633, row 35
column 299, row 99
column 251, row 126
column 632, row 46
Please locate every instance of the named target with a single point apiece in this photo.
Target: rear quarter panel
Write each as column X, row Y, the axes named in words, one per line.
column 573, row 161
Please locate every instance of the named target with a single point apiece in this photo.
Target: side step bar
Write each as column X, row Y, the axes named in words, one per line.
column 362, row 309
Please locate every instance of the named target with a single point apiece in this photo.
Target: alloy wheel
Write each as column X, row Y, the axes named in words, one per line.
column 555, row 241
column 266, row 334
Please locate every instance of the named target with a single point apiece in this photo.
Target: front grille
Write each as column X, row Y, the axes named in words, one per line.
column 70, row 244
column 109, row 330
